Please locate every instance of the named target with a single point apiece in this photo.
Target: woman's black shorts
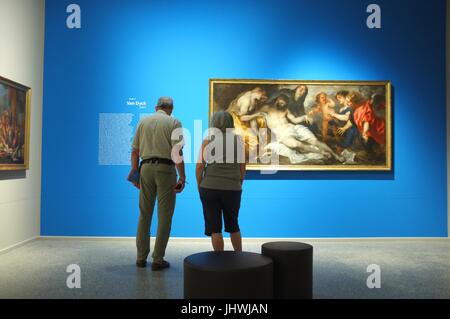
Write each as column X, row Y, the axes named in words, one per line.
column 217, row 202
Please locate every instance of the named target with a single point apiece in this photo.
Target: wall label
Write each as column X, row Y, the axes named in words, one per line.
column 132, row 101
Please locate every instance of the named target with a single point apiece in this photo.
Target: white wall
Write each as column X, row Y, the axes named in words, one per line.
column 21, row 60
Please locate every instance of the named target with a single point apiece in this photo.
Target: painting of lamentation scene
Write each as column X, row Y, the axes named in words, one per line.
column 318, row 125
column 13, row 125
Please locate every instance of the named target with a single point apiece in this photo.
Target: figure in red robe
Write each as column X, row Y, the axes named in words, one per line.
column 368, row 124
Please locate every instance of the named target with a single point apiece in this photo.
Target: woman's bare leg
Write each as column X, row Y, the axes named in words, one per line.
column 236, row 241
column 217, row 241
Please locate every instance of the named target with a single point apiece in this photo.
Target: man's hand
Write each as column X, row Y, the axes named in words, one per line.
column 132, row 178
column 308, row 120
column 179, row 186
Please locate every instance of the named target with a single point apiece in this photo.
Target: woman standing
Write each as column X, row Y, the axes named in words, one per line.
column 220, row 172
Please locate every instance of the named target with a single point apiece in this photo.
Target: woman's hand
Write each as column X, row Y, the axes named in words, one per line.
column 341, row 131
column 365, row 133
column 179, row 186
column 365, row 136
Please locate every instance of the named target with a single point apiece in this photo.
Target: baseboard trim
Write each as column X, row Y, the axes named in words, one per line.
column 9, row 248
column 256, row 239
column 248, row 239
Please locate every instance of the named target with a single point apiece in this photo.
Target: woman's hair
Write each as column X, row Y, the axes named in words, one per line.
column 356, row 98
column 222, row 120
column 342, row 93
column 306, row 90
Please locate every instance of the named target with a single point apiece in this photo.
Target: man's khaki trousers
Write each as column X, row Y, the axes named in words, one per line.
column 157, row 183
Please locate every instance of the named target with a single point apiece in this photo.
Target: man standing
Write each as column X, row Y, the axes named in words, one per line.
column 159, row 146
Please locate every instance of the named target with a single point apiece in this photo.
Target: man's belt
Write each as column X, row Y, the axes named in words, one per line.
column 157, row 160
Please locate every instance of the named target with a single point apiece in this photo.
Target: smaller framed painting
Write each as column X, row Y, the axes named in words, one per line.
column 14, row 125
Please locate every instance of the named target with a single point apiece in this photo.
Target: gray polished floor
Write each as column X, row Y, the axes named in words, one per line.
column 409, row 269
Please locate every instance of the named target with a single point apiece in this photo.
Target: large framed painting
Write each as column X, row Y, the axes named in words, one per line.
column 309, row 125
column 14, row 125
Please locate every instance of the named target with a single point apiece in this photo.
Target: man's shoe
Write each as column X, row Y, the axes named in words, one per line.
column 141, row 263
column 160, row 266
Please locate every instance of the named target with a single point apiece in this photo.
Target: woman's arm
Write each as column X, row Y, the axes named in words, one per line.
column 246, row 118
column 200, row 164
column 366, row 128
column 341, row 117
column 241, row 156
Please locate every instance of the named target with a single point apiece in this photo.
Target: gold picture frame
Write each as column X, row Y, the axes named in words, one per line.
column 15, row 103
column 224, row 94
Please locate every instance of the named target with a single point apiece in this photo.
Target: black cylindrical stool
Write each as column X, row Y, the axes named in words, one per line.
column 228, row 274
column 293, row 269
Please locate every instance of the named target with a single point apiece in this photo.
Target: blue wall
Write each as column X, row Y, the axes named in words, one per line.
column 145, row 49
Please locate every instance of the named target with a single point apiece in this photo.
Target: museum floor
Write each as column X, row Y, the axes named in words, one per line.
column 409, row 268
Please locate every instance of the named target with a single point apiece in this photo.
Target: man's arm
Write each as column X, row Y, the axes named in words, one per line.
column 134, row 166
column 177, row 156
column 135, row 159
column 181, row 175
column 297, row 120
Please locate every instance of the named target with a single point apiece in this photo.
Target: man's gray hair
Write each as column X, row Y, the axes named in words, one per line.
column 165, row 101
column 222, row 120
